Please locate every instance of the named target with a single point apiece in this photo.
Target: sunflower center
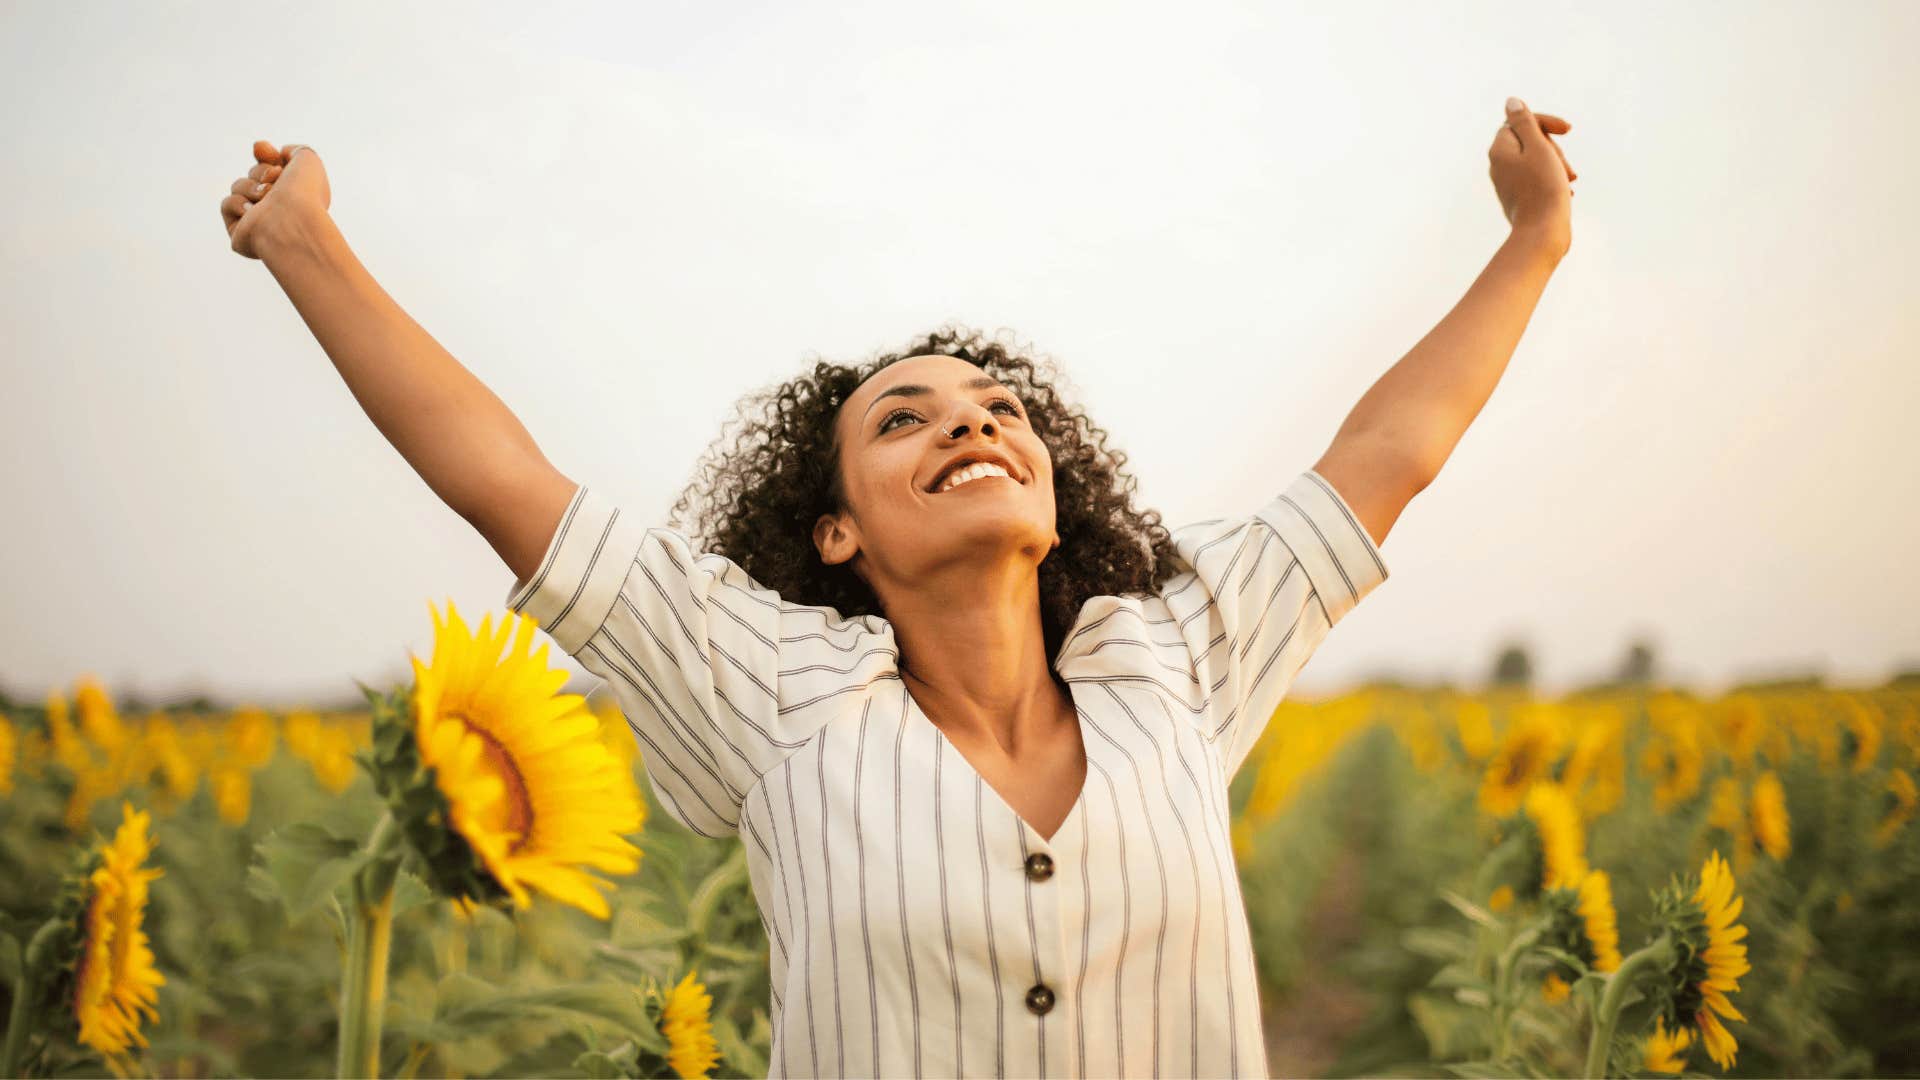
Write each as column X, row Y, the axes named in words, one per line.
column 1519, row 766
column 513, row 814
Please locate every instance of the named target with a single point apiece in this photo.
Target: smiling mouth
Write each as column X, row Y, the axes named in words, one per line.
column 970, row 483
column 980, row 471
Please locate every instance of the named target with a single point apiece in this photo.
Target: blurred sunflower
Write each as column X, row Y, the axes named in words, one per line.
column 1674, row 761
column 1767, row 814
column 250, row 737
column 527, row 781
column 1726, row 809
column 1709, row 960
column 1739, row 725
column 232, row 788
column 1599, row 920
column 1563, row 842
column 1473, row 723
column 691, row 1048
column 162, row 749
column 99, row 721
column 1666, row 1051
column 68, row 749
column 1526, row 754
column 8, row 752
column 1902, row 800
column 1863, row 736
column 113, row 979
column 1596, row 772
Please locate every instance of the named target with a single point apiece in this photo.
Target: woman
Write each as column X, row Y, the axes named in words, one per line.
column 972, row 715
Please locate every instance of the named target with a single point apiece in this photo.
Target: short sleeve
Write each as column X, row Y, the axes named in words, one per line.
column 1263, row 593
column 687, row 642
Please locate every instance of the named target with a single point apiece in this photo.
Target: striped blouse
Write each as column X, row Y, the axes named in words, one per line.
column 917, row 925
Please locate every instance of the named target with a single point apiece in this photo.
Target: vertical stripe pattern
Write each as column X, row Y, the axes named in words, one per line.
column 917, row 924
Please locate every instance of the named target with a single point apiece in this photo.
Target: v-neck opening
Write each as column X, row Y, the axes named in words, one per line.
column 986, row 785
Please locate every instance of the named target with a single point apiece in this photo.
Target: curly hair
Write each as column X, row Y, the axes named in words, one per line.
column 776, row 468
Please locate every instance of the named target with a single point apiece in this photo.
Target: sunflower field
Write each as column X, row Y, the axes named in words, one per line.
column 468, row 877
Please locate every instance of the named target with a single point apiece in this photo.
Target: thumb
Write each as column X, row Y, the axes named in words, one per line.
column 1524, row 125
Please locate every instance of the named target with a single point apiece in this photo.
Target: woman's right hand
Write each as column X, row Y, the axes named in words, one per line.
column 282, row 185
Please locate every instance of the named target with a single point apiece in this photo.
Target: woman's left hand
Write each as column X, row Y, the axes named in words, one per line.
column 1532, row 176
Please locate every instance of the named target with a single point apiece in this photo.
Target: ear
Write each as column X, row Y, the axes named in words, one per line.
column 834, row 540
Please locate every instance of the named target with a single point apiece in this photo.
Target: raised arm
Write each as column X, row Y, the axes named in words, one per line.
column 461, row 438
column 1405, row 426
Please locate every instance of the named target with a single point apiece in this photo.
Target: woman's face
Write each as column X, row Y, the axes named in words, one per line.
column 898, row 433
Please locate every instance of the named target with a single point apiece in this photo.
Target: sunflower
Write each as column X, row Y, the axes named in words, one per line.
column 1740, row 724
column 115, row 980
column 1562, row 841
column 1599, row 920
column 528, row 783
column 1666, row 1051
column 1673, row 756
column 1525, row 755
column 1768, row 816
column 1473, row 724
column 1710, row 958
column 1596, row 772
column 162, row 749
column 1583, row 924
column 7, row 753
column 99, row 721
column 1863, row 732
column 691, row 1048
column 250, row 737
column 232, row 787
column 1902, row 800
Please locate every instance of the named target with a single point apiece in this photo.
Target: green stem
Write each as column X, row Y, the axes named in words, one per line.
column 363, row 992
column 1503, row 984
column 1659, row 955
column 26, row 989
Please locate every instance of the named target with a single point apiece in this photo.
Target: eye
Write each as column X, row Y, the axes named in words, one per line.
column 888, row 421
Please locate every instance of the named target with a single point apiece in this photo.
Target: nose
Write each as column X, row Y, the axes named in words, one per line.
column 967, row 415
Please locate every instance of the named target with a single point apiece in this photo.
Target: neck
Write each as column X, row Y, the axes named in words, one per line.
column 973, row 654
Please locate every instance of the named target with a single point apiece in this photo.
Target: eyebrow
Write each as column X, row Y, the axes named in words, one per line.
column 978, row 382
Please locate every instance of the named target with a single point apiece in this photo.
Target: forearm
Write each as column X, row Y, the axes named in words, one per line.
column 460, row 437
column 1422, row 405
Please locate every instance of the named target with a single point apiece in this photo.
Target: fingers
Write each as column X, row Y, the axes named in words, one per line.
column 264, row 151
column 250, row 189
column 1507, row 140
column 231, row 209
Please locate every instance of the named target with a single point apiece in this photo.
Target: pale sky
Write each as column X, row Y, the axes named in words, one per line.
column 1224, row 221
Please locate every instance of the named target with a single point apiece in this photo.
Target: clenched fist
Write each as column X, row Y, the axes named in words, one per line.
column 283, row 184
column 1531, row 176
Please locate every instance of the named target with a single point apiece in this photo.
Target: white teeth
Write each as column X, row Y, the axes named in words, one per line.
column 972, row 472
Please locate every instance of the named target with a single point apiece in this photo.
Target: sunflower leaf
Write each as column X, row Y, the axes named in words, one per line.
column 621, row 1061
column 724, row 879
column 736, row 1052
column 469, row 1007
column 300, row 865
column 1482, row 1070
column 1437, row 944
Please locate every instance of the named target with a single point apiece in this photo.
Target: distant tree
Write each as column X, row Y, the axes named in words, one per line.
column 1513, row 667
column 1640, row 664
